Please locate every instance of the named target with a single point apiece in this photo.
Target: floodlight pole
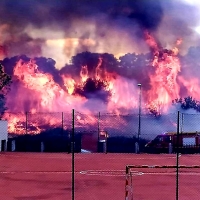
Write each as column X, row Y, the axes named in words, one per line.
column 139, row 116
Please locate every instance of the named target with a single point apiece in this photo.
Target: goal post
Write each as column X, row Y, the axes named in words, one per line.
column 129, row 175
column 128, row 185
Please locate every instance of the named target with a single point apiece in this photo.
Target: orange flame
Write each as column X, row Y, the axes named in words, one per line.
column 84, row 73
column 98, row 70
column 164, row 87
column 43, row 94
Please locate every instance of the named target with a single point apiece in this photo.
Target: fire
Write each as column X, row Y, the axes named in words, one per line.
column 98, row 70
column 40, row 93
column 164, row 80
column 69, row 84
column 84, row 73
column 95, row 89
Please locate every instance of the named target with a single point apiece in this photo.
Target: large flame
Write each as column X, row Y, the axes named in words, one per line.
column 34, row 91
column 98, row 90
column 164, row 78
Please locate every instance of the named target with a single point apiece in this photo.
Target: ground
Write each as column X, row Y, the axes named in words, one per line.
column 31, row 176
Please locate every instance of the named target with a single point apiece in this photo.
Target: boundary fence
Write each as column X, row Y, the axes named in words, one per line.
column 98, row 132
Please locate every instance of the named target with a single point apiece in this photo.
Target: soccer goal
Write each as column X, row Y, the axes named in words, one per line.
column 162, row 170
column 129, row 182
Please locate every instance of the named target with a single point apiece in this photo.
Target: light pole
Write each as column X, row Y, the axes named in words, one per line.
column 139, row 117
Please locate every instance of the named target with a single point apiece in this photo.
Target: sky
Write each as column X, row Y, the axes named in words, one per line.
column 60, row 29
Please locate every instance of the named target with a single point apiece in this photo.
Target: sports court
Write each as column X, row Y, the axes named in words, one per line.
column 31, row 176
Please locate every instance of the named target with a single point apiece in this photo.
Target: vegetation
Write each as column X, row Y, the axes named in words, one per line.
column 188, row 103
column 5, row 81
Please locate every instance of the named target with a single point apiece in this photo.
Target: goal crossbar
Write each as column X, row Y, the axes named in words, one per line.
column 160, row 166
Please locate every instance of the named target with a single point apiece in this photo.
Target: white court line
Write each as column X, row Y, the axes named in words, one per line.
column 134, row 173
column 125, row 157
column 79, row 156
column 102, row 173
column 36, row 172
column 172, row 173
column 107, row 173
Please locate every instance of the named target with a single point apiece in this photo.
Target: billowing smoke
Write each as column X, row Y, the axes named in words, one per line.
column 60, row 29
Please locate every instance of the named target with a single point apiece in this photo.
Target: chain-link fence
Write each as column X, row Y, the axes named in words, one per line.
column 99, row 132
column 164, row 151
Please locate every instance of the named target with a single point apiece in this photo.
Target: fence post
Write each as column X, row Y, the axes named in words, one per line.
column 42, row 147
column 136, row 147
column 170, row 148
column 139, row 116
column 72, row 150
column 182, row 122
column 13, row 146
column 177, row 156
column 98, row 130
column 26, row 122
column 62, row 123
column 106, row 143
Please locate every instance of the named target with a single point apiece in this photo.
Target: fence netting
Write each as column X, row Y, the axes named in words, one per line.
column 99, row 146
column 100, row 132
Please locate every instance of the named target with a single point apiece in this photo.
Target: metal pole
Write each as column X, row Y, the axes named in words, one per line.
column 177, row 155
column 62, row 123
column 106, row 143
column 182, row 121
column 98, row 131
column 26, row 123
column 72, row 150
column 139, row 118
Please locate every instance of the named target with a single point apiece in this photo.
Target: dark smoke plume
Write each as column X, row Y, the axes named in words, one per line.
column 113, row 26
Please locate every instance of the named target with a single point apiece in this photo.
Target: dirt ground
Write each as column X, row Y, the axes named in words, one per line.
column 35, row 176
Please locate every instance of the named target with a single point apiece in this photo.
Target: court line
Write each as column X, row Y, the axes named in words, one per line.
column 36, row 172
column 134, row 173
column 172, row 173
column 101, row 173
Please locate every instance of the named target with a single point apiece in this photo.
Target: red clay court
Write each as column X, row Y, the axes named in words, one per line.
column 36, row 176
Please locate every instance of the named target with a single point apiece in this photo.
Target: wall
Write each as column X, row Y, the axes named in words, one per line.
column 3, row 132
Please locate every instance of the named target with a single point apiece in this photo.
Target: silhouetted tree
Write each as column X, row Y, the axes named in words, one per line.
column 5, row 81
column 136, row 66
column 107, row 63
column 188, row 103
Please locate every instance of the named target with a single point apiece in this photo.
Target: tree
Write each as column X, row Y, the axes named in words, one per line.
column 188, row 103
column 106, row 63
column 5, row 81
column 137, row 67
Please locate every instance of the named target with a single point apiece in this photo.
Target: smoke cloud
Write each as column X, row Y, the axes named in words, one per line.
column 60, row 29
